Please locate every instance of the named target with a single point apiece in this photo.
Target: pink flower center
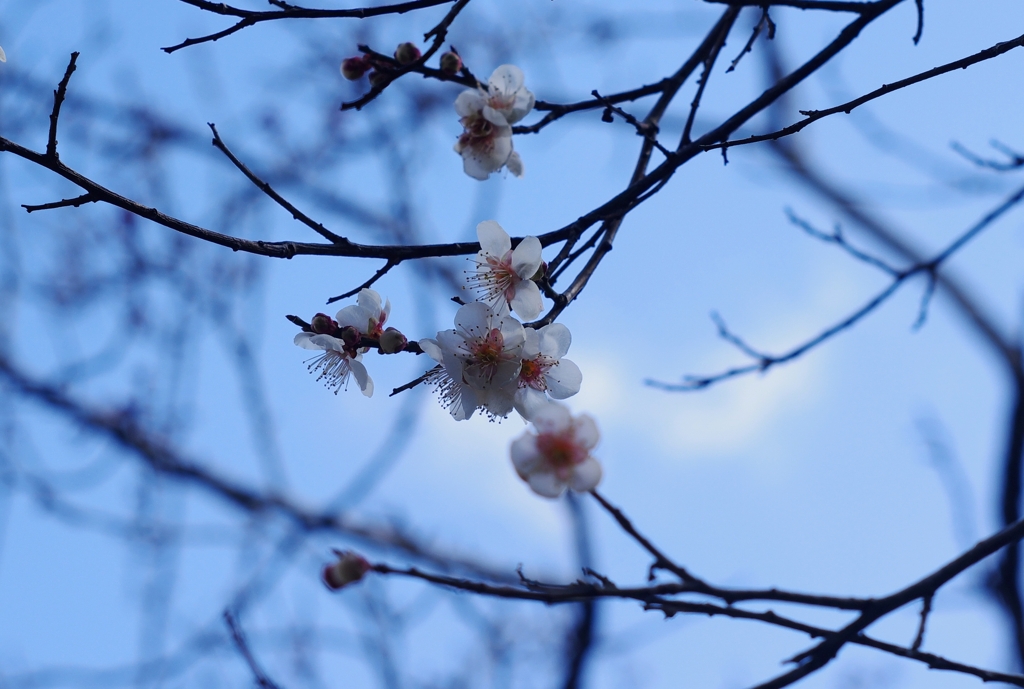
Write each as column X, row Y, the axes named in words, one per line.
column 489, row 352
column 532, row 372
column 560, row 451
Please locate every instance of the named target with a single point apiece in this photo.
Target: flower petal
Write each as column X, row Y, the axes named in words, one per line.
column 563, row 379
column 546, row 484
column 354, row 316
column 586, row 475
column 469, row 103
column 528, row 401
column 370, row 300
column 327, row 342
column 554, row 340
column 526, row 258
column 494, row 116
column 521, row 107
column 473, row 319
column 493, row 238
column 525, row 457
column 531, row 345
column 515, row 164
column 431, row 348
column 362, row 377
column 465, row 405
column 303, row 340
column 585, row 431
column 527, row 302
column 506, row 80
column 552, row 418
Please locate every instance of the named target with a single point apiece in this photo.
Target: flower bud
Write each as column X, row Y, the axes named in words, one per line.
column 378, row 78
column 350, row 336
column 323, row 324
column 541, row 272
column 350, row 568
column 392, row 341
column 353, row 68
column 451, row 63
column 407, row 53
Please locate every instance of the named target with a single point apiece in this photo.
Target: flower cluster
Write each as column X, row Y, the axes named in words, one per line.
column 487, row 116
column 491, row 361
column 341, row 339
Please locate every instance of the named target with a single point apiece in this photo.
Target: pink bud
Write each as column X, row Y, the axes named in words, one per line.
column 323, row 324
column 407, row 53
column 353, row 68
column 392, row 341
column 451, row 63
column 349, row 568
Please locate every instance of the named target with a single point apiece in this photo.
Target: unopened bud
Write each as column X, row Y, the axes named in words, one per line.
column 451, row 63
column 350, row 336
column 350, row 568
column 323, row 324
column 353, row 68
column 392, row 341
column 541, row 272
column 407, row 53
column 378, row 78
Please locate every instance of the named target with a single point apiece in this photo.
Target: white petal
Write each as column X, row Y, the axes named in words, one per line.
column 546, row 484
column 494, row 116
column 476, row 166
column 531, row 346
column 3, row 56
column 554, row 340
column 473, row 319
column 493, row 239
column 513, row 334
column 552, row 418
column 585, row 431
column 431, row 349
column 469, row 103
column 303, row 340
column 466, row 405
column 563, row 379
column 387, row 308
column 370, row 300
column 524, row 454
column 526, row 259
column 520, row 108
column 506, row 80
column 362, row 377
column 452, row 343
column 515, row 164
column 498, row 401
column 529, row 401
column 327, row 342
column 527, row 302
column 354, row 316
column 586, row 475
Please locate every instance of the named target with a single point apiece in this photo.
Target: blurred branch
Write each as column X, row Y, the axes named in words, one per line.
column 262, row 680
column 252, row 17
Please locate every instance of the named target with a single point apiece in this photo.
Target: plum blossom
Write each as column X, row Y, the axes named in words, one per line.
column 503, row 275
column 479, row 360
column 367, row 315
column 337, row 363
column 557, row 456
column 487, row 116
column 544, row 370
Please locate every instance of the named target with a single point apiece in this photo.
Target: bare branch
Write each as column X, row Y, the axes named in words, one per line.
column 58, row 100
column 238, row 637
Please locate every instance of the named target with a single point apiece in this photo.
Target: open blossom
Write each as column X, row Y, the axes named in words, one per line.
column 503, row 275
column 487, row 117
column 557, row 456
column 337, row 364
column 366, row 315
column 544, row 370
column 479, row 360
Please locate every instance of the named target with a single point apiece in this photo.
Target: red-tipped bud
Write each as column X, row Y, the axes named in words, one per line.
column 451, row 63
column 392, row 341
column 323, row 324
column 407, row 53
column 350, row 336
column 349, row 568
column 353, row 68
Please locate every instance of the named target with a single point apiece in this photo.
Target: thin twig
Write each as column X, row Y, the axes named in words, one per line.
column 63, row 203
column 58, row 100
column 238, row 637
column 369, row 283
column 926, row 608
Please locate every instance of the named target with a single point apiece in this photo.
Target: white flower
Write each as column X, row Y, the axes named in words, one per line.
column 487, row 115
column 507, row 99
column 480, row 358
column 558, row 455
column 503, row 275
column 3, row 58
column 544, row 370
column 367, row 315
column 336, row 364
